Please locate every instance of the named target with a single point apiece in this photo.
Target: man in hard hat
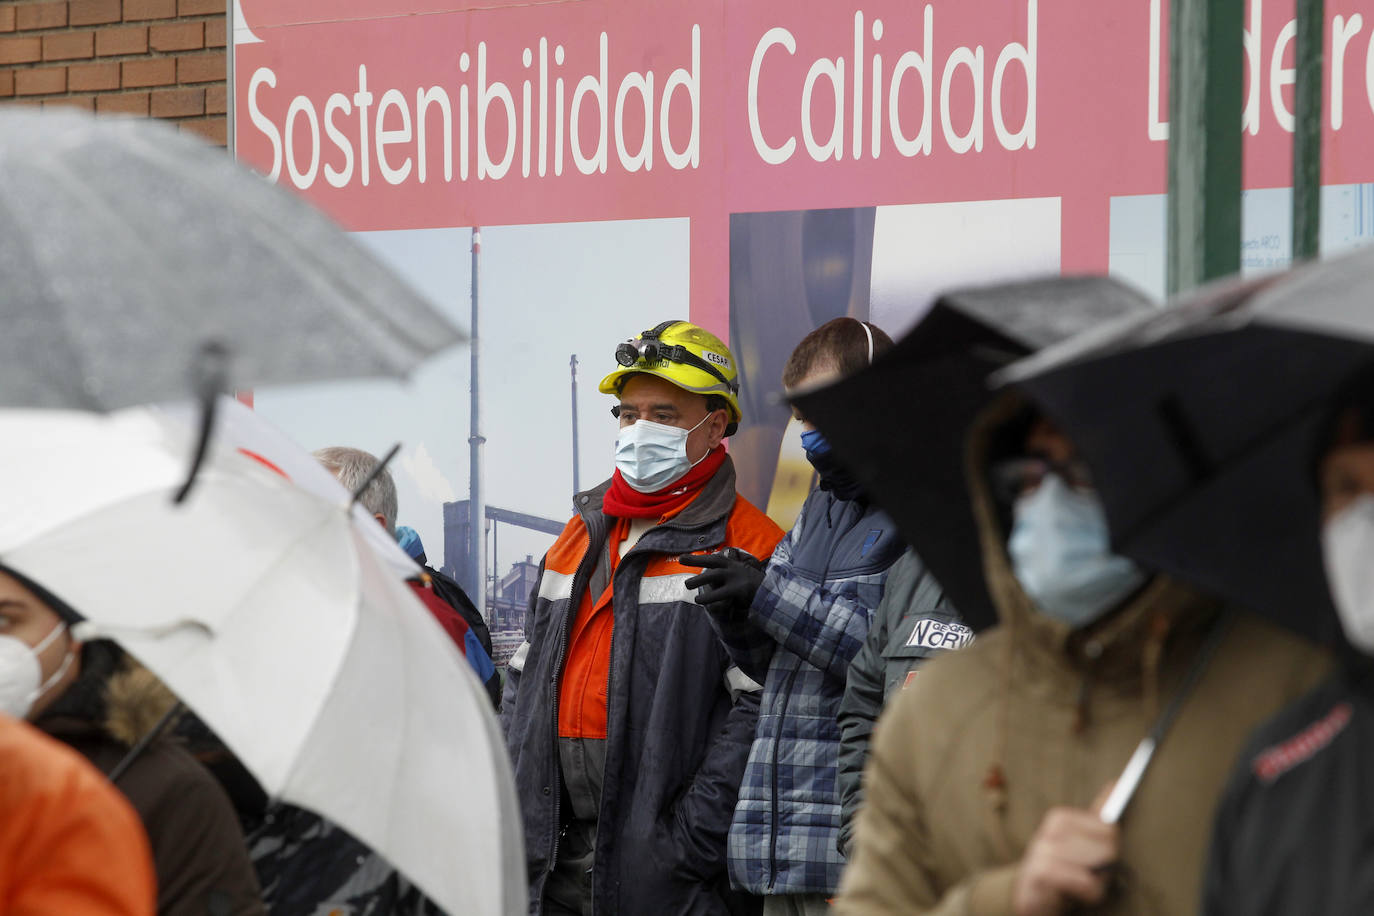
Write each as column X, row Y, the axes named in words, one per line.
column 627, row 723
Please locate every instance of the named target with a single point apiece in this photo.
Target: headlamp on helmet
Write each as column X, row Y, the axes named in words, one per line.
column 649, row 349
column 689, row 357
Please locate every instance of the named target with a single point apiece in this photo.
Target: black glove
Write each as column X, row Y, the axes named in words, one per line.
column 729, row 581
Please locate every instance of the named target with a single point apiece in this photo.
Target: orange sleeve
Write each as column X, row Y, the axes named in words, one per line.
column 69, row 841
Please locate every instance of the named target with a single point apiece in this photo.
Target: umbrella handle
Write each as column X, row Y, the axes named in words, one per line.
column 211, row 371
column 142, row 744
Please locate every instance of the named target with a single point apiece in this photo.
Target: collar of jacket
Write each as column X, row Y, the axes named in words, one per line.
column 714, row 502
column 1114, row 647
column 120, row 705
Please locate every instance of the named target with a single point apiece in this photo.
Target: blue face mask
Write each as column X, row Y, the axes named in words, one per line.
column 1061, row 554
column 814, row 443
column 834, row 477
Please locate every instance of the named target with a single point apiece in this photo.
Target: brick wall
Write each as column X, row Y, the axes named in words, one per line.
column 164, row 58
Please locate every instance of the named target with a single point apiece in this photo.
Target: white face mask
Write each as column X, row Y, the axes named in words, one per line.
column 652, row 455
column 1348, row 548
column 21, row 682
column 1061, row 553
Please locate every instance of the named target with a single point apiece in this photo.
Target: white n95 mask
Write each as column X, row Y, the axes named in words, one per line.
column 1348, row 550
column 21, row 676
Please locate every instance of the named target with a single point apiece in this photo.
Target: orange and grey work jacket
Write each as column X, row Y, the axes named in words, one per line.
column 679, row 718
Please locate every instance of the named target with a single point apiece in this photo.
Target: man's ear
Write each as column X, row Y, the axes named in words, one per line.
column 715, row 428
column 381, row 519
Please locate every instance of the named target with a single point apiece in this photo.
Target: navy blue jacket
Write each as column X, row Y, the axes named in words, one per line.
column 680, row 717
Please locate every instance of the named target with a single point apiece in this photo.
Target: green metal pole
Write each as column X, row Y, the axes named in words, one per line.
column 1307, row 134
column 1205, row 71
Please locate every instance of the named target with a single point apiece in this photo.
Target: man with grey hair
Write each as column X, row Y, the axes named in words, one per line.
column 353, row 466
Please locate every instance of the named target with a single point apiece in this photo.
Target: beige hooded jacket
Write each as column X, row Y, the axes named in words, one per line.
column 971, row 756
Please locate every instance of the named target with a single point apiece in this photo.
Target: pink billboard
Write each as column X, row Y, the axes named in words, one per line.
column 756, row 165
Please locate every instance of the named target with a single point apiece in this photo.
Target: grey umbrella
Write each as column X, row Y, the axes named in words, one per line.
column 1202, row 423
column 138, row 264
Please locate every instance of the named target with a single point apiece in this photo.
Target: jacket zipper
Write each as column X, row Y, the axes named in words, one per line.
column 579, row 582
column 610, row 663
column 782, row 716
column 667, row 526
column 777, row 744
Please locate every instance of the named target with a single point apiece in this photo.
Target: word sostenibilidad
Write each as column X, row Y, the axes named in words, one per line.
column 547, row 126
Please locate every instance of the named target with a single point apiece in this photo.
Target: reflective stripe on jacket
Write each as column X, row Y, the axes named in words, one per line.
column 676, row 738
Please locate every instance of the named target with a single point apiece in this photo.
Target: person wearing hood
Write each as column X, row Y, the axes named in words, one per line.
column 69, row 842
column 1292, row 830
column 627, row 721
column 988, row 771
column 91, row 697
column 795, row 624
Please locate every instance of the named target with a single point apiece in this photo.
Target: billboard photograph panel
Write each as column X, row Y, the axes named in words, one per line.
column 754, row 167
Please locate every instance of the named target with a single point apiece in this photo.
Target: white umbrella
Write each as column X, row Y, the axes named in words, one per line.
column 262, row 607
column 239, row 427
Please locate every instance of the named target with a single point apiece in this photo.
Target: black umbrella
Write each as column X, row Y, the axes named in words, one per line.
column 1201, row 426
column 899, row 424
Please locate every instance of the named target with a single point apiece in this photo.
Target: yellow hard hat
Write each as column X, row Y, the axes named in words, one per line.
column 691, row 358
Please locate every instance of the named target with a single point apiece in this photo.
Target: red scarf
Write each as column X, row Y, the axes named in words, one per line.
column 624, row 501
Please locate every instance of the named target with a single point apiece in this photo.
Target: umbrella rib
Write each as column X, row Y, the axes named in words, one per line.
column 1182, row 434
column 339, row 668
column 1185, row 437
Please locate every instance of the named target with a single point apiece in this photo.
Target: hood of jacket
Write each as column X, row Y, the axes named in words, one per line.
column 1036, row 714
column 1121, row 644
column 113, row 698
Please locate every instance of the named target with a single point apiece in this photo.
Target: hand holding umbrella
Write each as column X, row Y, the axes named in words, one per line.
column 1068, row 862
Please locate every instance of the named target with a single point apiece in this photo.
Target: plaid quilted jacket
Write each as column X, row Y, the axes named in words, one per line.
column 811, row 613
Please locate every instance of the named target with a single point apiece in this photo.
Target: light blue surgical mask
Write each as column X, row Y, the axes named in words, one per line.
column 1061, row 553
column 652, row 455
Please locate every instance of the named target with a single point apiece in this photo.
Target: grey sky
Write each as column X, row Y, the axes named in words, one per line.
column 547, row 291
